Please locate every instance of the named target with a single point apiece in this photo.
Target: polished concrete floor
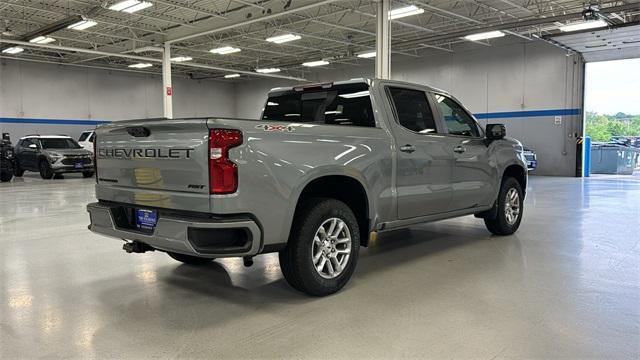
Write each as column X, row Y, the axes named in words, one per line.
column 567, row 285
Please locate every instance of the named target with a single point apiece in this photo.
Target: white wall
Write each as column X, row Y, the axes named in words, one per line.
column 44, row 91
column 514, row 77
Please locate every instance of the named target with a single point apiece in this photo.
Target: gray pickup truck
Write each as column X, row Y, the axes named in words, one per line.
column 324, row 170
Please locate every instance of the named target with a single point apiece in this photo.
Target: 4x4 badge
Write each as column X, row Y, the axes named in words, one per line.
column 270, row 128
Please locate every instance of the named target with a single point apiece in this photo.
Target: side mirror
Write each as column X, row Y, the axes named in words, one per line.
column 496, row 131
column 33, row 146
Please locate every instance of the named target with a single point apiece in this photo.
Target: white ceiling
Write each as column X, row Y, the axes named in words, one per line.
column 334, row 30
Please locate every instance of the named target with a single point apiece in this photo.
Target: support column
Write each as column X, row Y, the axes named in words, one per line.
column 167, row 89
column 383, row 40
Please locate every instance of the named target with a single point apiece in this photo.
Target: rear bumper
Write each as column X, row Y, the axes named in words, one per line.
column 182, row 233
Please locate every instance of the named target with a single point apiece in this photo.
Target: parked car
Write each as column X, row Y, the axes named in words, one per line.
column 531, row 158
column 86, row 140
column 6, row 160
column 52, row 155
column 325, row 169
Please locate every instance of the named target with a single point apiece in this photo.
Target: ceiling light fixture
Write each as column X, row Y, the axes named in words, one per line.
column 404, row 12
column 283, row 38
column 268, row 70
column 140, row 65
column 42, row 40
column 315, row 63
column 82, row 25
column 225, row 50
column 485, row 35
column 367, row 55
column 13, row 50
column 181, row 58
column 585, row 25
column 130, row 6
column 231, row 76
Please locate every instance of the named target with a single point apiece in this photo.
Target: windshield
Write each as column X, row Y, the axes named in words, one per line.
column 59, row 143
column 84, row 136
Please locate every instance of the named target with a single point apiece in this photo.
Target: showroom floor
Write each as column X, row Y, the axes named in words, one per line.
column 566, row 285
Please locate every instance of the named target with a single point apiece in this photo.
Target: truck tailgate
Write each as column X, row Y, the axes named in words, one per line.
column 154, row 155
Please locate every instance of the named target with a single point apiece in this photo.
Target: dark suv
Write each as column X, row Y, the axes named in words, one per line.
column 52, row 155
column 6, row 159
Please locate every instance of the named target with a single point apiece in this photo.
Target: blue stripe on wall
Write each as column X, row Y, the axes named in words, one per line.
column 52, row 121
column 479, row 116
column 527, row 113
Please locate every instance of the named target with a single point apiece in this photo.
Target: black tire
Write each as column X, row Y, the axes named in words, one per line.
column 190, row 260
column 45, row 169
column 17, row 170
column 6, row 176
column 296, row 260
column 500, row 224
column 87, row 174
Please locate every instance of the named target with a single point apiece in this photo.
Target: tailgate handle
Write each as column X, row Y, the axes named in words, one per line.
column 138, row 131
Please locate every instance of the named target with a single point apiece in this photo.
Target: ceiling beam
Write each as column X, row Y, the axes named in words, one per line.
column 252, row 21
column 145, row 59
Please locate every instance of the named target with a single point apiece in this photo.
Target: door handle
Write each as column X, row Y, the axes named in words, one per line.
column 459, row 149
column 408, row 148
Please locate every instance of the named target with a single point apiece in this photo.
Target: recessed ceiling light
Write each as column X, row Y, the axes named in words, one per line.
column 283, row 38
column 82, row 25
column 181, row 58
column 130, row 6
column 268, row 70
column 231, row 76
column 315, row 63
column 584, row 25
column 140, row 65
column 225, row 50
column 13, row 50
column 42, row 40
column 404, row 11
column 367, row 55
column 485, row 35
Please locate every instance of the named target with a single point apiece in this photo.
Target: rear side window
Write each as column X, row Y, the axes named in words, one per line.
column 338, row 105
column 456, row 118
column 413, row 110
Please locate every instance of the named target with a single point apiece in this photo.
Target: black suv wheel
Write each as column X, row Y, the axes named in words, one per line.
column 45, row 169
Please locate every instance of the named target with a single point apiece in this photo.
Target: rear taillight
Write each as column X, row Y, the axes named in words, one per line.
column 223, row 173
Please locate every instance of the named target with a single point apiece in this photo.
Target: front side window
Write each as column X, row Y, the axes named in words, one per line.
column 59, row 143
column 458, row 121
column 26, row 142
column 348, row 104
column 413, row 110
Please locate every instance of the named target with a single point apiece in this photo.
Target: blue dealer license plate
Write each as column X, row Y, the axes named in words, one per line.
column 78, row 165
column 146, row 219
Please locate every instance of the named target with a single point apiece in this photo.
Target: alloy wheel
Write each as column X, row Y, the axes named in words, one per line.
column 331, row 248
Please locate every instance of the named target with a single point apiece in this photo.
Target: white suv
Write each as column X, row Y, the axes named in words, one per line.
column 86, row 139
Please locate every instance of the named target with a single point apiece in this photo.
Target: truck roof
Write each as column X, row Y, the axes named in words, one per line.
column 369, row 81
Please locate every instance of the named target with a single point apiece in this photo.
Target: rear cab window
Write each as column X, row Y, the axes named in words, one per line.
column 412, row 110
column 345, row 105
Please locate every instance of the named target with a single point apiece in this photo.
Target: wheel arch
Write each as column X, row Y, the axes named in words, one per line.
column 345, row 188
column 519, row 173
